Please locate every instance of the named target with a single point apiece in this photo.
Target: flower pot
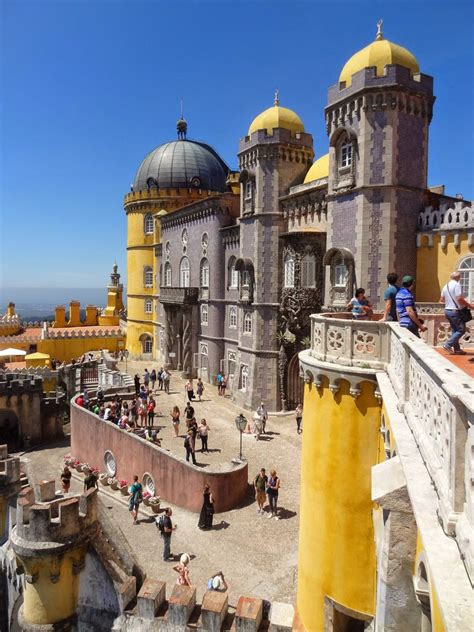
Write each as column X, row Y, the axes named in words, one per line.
column 146, row 502
column 124, row 490
column 103, row 480
column 155, row 508
column 114, row 485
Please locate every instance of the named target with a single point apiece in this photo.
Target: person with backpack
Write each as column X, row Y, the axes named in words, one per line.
column 166, row 528
column 260, row 486
column 457, row 312
column 217, row 583
column 136, row 497
column 189, row 444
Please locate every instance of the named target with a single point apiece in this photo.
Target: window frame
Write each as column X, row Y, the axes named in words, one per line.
column 233, row 274
column 204, row 273
column 232, row 316
column 148, row 224
column 244, row 377
column 340, row 266
column 308, row 270
column 289, row 270
column 147, row 275
column 167, row 276
column 184, row 273
column 467, row 277
column 148, row 303
column 204, row 312
column 346, row 154
column 147, row 344
column 247, row 326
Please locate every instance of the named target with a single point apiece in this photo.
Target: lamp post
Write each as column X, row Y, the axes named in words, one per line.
column 240, row 424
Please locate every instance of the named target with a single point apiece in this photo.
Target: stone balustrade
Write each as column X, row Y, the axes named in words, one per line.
column 447, row 217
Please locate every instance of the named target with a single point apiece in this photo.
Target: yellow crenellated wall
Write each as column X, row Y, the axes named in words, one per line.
column 434, row 265
column 341, row 443
column 47, row 601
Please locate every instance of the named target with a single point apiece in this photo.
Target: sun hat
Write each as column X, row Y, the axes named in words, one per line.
column 217, row 583
column 185, row 559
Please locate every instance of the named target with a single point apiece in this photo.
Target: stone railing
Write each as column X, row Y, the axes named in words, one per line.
column 179, row 295
column 461, row 215
column 436, row 398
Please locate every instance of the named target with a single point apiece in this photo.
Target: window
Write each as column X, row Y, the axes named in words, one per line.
column 233, row 280
column 148, row 224
column 245, row 278
column 147, row 343
column 204, row 314
column 204, row 275
column 184, row 272
column 244, row 377
column 289, row 271
column 233, row 317
column 308, row 271
column 340, row 275
column 466, row 268
column 167, row 274
column 148, row 306
column 248, row 323
column 345, row 159
column 148, row 276
column 248, row 189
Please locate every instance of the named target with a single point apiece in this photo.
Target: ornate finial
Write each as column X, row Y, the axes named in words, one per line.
column 115, row 267
column 277, row 98
column 182, row 125
column 379, row 35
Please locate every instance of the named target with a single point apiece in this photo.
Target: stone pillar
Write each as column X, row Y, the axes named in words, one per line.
column 396, row 607
column 60, row 316
column 74, row 314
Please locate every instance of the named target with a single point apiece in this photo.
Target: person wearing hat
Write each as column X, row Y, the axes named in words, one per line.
column 182, row 569
column 217, row 583
column 406, row 308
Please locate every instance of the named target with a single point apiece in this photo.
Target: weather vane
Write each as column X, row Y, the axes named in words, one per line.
column 277, row 98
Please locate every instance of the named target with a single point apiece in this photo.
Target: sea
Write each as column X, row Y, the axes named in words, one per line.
column 34, row 303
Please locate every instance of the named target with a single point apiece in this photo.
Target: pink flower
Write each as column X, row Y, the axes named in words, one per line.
column 123, row 483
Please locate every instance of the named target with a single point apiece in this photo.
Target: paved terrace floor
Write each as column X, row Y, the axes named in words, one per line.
column 257, row 555
column 463, row 362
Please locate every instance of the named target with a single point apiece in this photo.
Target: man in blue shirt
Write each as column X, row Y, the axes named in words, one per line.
column 406, row 309
column 390, row 312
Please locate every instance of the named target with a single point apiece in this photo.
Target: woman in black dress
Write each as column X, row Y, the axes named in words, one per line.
column 207, row 511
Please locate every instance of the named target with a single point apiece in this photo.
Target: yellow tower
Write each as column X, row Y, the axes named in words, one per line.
column 171, row 176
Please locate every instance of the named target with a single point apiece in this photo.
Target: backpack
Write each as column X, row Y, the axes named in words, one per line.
column 209, row 584
column 161, row 524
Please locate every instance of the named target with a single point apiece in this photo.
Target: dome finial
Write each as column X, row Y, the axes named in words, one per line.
column 181, row 125
column 379, row 35
column 276, row 100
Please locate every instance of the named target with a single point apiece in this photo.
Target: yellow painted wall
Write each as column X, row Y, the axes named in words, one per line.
column 66, row 349
column 337, row 551
column 46, row 602
column 435, row 264
column 437, row 624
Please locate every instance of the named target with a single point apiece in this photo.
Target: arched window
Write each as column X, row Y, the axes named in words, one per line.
column 244, row 377
column 233, row 275
column 246, row 278
column 148, row 276
column 167, row 276
column 340, row 275
column 148, row 306
column 466, row 268
column 204, row 273
column 233, row 317
column 289, row 271
column 248, row 323
column 184, row 272
column 345, row 154
column 204, row 314
column 148, row 224
column 308, row 271
column 147, row 343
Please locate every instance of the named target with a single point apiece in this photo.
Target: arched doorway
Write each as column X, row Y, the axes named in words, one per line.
column 294, row 384
column 9, row 429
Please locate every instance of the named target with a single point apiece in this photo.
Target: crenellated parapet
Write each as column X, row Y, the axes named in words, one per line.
column 11, row 386
column 9, row 469
column 454, row 218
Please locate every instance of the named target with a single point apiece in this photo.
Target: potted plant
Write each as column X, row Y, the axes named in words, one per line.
column 104, row 479
column 68, row 460
column 85, row 468
column 77, row 464
column 113, row 482
column 146, row 498
column 123, row 487
column 154, row 502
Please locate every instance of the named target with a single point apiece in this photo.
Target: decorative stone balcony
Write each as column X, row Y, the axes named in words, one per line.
column 179, row 295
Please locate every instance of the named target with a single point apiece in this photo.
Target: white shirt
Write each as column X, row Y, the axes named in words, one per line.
column 454, row 293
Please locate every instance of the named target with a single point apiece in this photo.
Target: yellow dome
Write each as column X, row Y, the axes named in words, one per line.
column 319, row 169
column 276, row 116
column 379, row 54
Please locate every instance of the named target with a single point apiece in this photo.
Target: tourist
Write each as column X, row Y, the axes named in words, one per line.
column 124, row 410
column 146, row 379
column 123, row 423
column 203, row 430
column 406, row 308
column 223, row 385
column 168, row 529
column 159, row 377
column 90, row 481
column 189, row 411
column 260, row 486
column 100, row 395
column 359, row 305
column 299, row 417
column 175, row 420
column 455, row 307
column 217, row 583
column 273, row 487
column 143, row 394
column 95, row 408
column 199, row 388
column 80, row 400
column 183, row 571
column 133, row 410
column 136, row 381
column 189, row 388
column 153, row 379
column 263, row 414
column 166, row 381
column 390, row 312
column 190, row 445
column 102, row 411
column 219, row 383
column 86, row 399
column 152, row 436
column 257, row 425
column 151, row 410
column 207, row 510
column 107, row 412
column 136, row 497
column 142, row 413
column 66, row 479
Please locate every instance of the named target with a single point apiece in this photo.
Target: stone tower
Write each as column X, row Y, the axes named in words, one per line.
column 274, row 155
column 377, row 120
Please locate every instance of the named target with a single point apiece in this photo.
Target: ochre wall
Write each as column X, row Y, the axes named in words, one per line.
column 176, row 481
column 437, row 624
column 435, row 264
column 66, row 349
column 341, row 443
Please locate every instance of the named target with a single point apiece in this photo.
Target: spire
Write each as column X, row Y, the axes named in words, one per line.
column 182, row 125
column 379, row 35
column 277, row 98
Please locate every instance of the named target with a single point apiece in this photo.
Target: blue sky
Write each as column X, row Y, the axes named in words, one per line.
column 90, row 87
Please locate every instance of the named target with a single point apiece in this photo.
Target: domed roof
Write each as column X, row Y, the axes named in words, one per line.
column 276, row 116
column 181, row 164
column 379, row 54
column 319, row 169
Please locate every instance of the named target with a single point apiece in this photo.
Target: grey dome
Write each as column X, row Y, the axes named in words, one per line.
column 182, row 164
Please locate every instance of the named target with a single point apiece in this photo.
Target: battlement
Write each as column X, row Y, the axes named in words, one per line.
column 10, row 385
column 42, row 517
column 9, row 468
column 155, row 194
column 83, row 333
column 301, row 140
column 449, row 216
